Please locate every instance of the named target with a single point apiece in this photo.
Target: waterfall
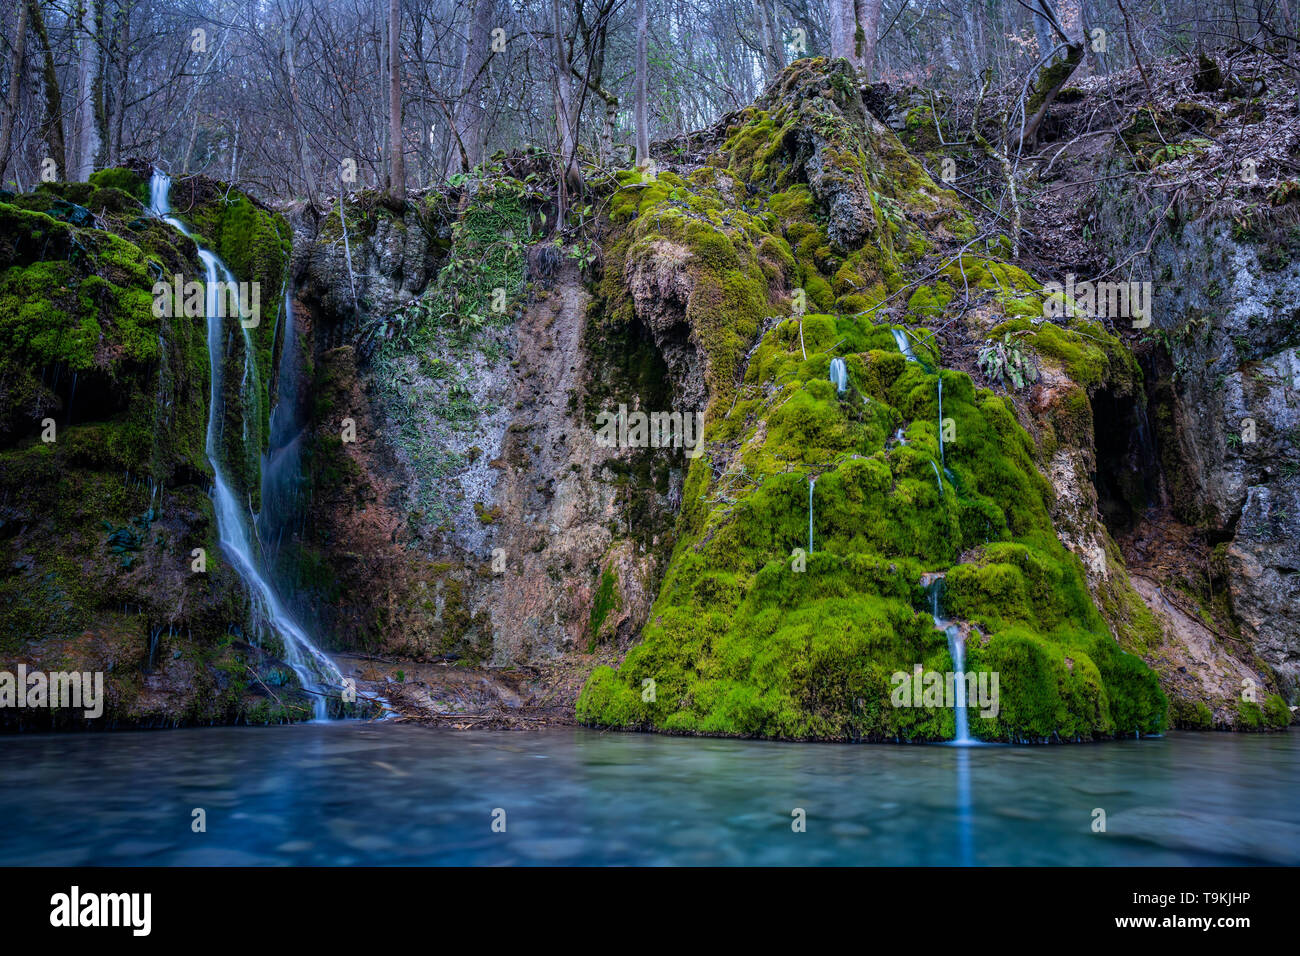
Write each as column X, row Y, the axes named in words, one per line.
column 314, row 669
column 942, row 458
column 957, row 651
column 904, row 346
column 282, row 463
column 811, row 481
column 839, row 375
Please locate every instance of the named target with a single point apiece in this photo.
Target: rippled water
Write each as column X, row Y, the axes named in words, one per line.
column 354, row 793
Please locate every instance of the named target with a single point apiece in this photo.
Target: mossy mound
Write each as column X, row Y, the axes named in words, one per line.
column 809, row 203
column 750, row 636
column 742, row 642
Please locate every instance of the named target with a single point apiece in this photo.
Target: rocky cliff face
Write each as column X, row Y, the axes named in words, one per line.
column 471, row 516
column 1201, row 488
column 1229, row 330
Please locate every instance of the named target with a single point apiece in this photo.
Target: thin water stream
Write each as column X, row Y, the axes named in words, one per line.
column 315, row 671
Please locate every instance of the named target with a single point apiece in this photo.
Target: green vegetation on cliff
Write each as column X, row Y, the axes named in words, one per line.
column 103, row 472
column 750, row 635
column 742, row 642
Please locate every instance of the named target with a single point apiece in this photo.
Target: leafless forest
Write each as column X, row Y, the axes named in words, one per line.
column 286, row 97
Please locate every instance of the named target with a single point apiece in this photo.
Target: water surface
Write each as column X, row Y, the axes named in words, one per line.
column 378, row 794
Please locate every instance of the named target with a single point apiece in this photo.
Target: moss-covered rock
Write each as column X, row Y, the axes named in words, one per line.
column 742, row 641
column 811, row 201
column 104, row 475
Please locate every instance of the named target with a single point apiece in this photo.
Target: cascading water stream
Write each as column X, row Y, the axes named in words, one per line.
column 282, row 464
column 811, row 481
column 904, row 346
column 937, row 480
column 957, row 651
column 314, row 669
column 839, row 375
column 943, row 460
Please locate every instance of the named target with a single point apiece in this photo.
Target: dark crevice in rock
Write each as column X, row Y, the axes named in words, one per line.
column 1127, row 475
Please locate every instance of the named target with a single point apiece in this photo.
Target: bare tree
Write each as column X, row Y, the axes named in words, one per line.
column 397, row 161
column 469, row 117
column 11, row 104
column 52, row 97
column 566, row 117
column 642, row 120
column 89, row 89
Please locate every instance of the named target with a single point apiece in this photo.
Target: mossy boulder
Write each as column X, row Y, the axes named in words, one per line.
column 750, row 637
column 810, row 202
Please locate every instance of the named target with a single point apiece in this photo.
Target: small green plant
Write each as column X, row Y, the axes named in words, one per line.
column 128, row 541
column 583, row 252
column 1004, row 360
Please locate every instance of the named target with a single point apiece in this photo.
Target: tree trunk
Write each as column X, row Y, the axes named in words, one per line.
column 123, row 66
column 773, row 48
column 1051, row 78
column 1043, row 30
column 867, row 25
column 89, row 141
column 1098, row 57
column 973, row 44
column 15, row 74
column 397, row 161
column 470, row 115
column 842, row 26
column 52, row 115
column 1047, row 26
column 299, row 137
column 382, row 176
column 641, row 106
column 565, row 121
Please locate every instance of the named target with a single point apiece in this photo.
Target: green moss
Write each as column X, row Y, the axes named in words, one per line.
column 919, row 130
column 1185, row 714
column 91, row 306
column 606, row 599
column 1253, row 718
column 1250, row 716
column 929, row 301
column 1277, row 715
column 125, row 180
column 735, row 269
column 1086, row 352
column 741, row 643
